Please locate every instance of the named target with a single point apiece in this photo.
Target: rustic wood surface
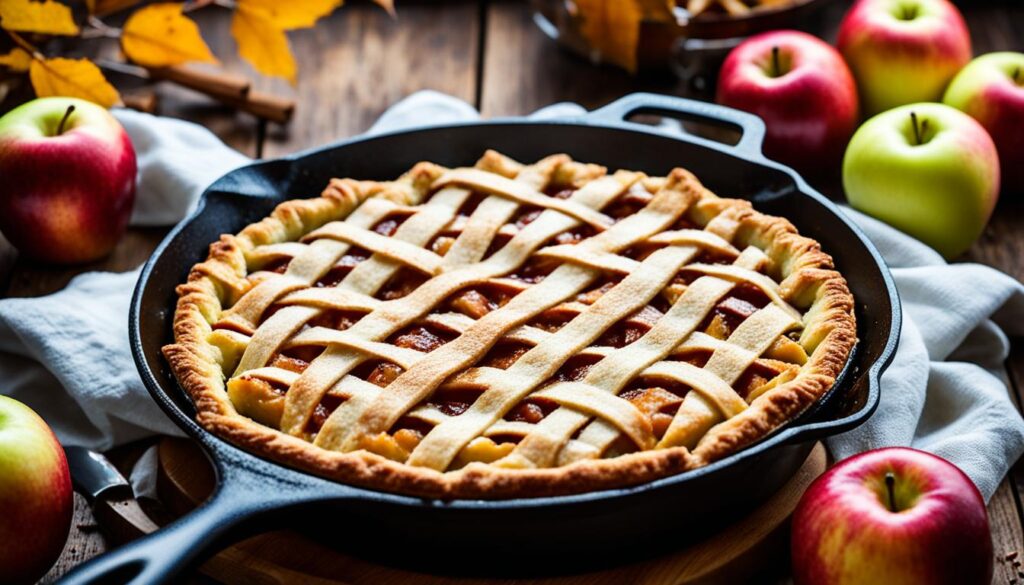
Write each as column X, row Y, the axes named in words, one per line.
column 489, row 53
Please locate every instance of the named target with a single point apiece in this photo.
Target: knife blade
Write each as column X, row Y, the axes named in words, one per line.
column 121, row 518
column 109, row 494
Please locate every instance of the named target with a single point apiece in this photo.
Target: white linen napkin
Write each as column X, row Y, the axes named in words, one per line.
column 67, row 356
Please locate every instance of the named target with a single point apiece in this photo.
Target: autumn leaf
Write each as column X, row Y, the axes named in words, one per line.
column 72, row 78
column 612, row 27
column 47, row 17
column 292, row 14
column 159, row 35
column 262, row 43
column 17, row 60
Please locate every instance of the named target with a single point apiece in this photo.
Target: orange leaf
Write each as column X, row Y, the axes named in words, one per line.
column 612, row 27
column 291, row 14
column 262, row 43
column 17, row 60
column 72, row 78
column 159, row 35
column 47, row 17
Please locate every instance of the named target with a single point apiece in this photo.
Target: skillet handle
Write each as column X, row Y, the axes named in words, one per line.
column 751, row 126
column 161, row 556
column 830, row 427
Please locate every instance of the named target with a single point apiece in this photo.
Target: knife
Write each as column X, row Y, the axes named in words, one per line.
column 120, row 517
column 109, row 494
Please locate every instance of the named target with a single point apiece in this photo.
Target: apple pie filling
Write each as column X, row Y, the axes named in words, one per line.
column 654, row 395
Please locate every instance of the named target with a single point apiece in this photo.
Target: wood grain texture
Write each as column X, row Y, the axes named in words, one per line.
column 29, row 278
column 1000, row 28
column 359, row 61
column 524, row 70
column 84, row 542
column 1005, row 522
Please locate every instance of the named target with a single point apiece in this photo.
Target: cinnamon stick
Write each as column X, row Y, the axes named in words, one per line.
column 216, row 84
column 263, row 105
column 230, row 89
column 145, row 101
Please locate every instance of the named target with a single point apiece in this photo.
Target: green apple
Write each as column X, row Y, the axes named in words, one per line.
column 35, row 494
column 927, row 169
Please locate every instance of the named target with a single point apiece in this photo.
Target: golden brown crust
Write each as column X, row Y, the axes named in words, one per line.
column 808, row 281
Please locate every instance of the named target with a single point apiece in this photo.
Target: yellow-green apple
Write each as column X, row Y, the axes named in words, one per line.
column 903, row 51
column 897, row 516
column 802, row 89
column 68, row 171
column 926, row 169
column 991, row 90
column 35, row 494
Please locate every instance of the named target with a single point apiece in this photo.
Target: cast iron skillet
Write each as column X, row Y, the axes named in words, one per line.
column 594, row 528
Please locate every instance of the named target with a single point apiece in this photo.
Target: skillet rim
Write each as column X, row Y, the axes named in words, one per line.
column 794, row 432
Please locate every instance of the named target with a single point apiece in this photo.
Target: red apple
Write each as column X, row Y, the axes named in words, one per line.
column 903, row 51
column 804, row 92
column 991, row 90
column 897, row 516
column 68, row 171
column 35, row 494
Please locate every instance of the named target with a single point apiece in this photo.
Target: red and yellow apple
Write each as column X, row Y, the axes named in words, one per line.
column 926, row 169
column 802, row 89
column 68, row 171
column 35, row 494
column 991, row 90
column 903, row 51
column 897, row 516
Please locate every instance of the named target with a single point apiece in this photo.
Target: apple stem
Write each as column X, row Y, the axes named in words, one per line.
column 67, row 114
column 917, row 128
column 1016, row 75
column 890, row 484
column 776, row 70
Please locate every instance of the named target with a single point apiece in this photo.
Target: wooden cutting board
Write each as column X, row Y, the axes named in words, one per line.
column 754, row 545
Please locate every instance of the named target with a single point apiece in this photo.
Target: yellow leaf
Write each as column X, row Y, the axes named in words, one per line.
column 46, row 17
column 291, row 14
column 159, row 35
column 17, row 60
column 72, row 78
column 262, row 43
column 612, row 27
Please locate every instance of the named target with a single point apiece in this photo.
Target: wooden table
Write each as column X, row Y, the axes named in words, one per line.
column 488, row 53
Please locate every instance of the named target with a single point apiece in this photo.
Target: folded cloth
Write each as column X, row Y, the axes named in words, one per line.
column 177, row 160
column 946, row 389
column 67, row 355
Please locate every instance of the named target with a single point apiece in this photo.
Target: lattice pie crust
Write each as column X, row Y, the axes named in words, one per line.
column 509, row 330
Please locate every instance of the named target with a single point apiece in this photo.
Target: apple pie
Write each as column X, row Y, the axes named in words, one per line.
column 509, row 330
